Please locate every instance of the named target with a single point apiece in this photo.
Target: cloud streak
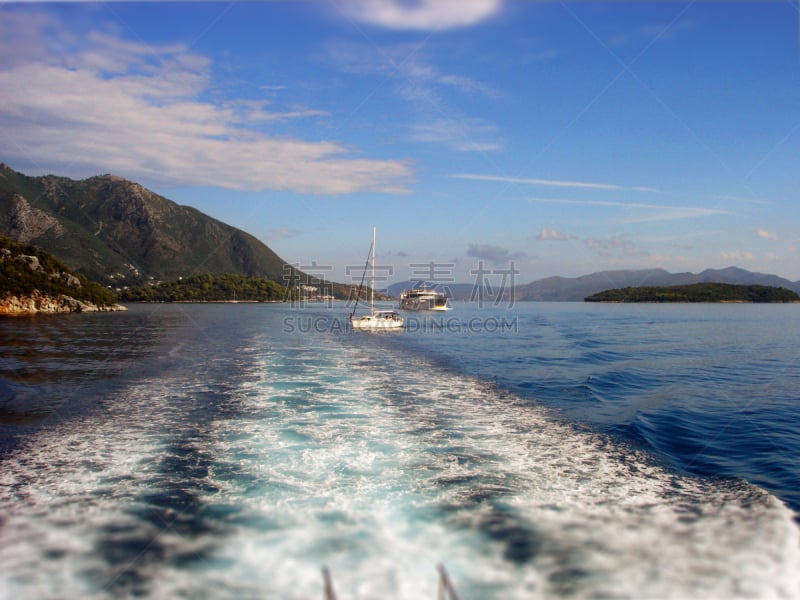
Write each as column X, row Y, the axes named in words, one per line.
column 582, row 185
column 136, row 110
column 659, row 212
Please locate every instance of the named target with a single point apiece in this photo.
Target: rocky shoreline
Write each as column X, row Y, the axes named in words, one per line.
column 37, row 303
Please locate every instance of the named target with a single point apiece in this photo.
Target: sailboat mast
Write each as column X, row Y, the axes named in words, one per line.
column 372, row 283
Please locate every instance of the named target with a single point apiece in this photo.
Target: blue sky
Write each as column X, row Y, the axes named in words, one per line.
column 565, row 138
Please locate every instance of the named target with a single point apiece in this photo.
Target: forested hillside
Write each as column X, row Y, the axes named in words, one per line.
column 209, row 288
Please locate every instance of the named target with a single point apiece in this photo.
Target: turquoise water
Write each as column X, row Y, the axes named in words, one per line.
column 537, row 451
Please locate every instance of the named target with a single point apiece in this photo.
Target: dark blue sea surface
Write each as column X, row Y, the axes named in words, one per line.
column 713, row 388
column 540, row 450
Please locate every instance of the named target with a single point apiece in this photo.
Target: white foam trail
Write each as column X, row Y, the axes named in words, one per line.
column 364, row 492
column 380, row 468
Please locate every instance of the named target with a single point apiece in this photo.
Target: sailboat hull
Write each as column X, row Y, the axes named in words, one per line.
column 378, row 321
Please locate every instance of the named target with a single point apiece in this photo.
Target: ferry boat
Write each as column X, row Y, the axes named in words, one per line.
column 424, row 298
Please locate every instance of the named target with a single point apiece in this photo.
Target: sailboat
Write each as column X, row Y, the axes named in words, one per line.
column 376, row 319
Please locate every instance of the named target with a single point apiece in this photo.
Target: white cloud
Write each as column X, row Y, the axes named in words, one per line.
column 136, row 110
column 767, row 235
column 553, row 235
column 421, row 15
column 738, row 255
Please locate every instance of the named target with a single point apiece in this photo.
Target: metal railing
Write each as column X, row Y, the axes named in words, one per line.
column 446, row 589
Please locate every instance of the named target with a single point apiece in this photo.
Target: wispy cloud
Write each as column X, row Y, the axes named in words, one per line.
column 739, row 199
column 655, row 32
column 406, row 64
column 646, row 212
column 670, row 213
column 255, row 111
column 559, row 183
column 553, row 235
column 98, row 102
column 462, row 135
column 424, row 15
column 420, row 83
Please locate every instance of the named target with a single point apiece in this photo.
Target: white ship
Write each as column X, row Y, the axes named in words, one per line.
column 424, row 298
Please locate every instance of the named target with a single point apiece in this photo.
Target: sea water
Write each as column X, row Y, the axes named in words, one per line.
column 534, row 450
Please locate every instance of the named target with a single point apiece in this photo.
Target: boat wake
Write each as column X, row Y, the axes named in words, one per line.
column 242, row 477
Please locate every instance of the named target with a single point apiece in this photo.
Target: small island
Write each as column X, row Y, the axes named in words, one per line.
column 698, row 292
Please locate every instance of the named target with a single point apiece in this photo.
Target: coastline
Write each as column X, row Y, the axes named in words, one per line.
column 33, row 304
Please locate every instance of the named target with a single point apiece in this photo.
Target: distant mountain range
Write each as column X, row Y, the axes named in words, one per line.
column 118, row 233
column 566, row 289
column 562, row 288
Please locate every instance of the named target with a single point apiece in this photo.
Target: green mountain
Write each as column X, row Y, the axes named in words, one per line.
column 121, row 234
